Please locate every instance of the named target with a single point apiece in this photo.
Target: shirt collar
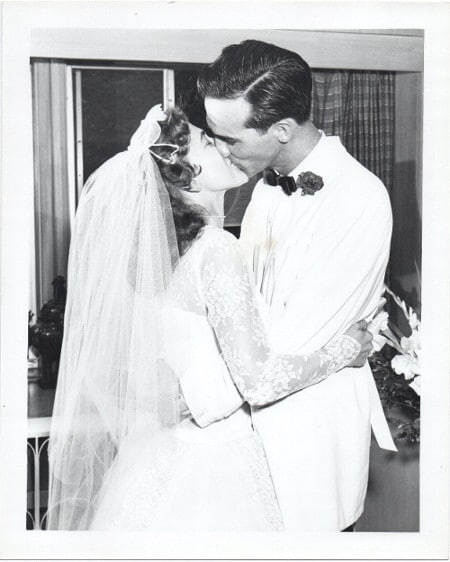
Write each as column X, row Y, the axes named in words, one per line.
column 322, row 157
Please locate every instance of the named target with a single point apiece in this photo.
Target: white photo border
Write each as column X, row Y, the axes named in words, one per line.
column 18, row 19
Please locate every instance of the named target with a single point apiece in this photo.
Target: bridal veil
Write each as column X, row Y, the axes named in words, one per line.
column 112, row 378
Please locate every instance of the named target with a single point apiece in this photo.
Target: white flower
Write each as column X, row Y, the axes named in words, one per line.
column 415, row 385
column 411, row 345
column 405, row 365
column 384, row 319
column 378, row 342
column 379, row 322
column 414, row 322
column 376, row 327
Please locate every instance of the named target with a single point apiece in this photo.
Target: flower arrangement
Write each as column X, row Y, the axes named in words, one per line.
column 407, row 361
column 397, row 370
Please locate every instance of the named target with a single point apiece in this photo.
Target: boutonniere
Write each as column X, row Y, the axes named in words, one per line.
column 309, row 183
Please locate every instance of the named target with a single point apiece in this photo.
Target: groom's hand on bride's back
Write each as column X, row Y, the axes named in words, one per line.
column 360, row 333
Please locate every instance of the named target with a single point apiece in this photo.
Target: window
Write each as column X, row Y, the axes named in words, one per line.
column 108, row 105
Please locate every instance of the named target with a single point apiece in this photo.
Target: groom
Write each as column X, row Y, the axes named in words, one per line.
column 318, row 245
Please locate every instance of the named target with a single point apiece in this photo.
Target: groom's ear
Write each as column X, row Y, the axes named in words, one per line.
column 283, row 130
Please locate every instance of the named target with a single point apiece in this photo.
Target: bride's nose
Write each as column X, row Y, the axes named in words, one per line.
column 222, row 148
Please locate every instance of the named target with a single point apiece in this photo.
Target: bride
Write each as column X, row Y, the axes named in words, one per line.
column 160, row 312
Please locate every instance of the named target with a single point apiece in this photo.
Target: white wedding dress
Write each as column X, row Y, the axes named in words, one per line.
column 213, row 478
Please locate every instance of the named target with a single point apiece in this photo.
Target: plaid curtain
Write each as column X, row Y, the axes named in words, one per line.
column 359, row 108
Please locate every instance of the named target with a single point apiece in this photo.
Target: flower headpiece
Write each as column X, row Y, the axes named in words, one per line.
column 149, row 132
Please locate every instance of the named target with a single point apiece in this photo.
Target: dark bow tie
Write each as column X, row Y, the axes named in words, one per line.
column 287, row 183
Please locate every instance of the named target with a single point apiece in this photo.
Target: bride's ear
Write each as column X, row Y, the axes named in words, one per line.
column 195, row 186
column 282, row 130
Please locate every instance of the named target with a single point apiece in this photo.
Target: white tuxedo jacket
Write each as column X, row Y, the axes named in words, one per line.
column 319, row 263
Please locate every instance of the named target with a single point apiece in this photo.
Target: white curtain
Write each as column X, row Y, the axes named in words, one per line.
column 52, row 225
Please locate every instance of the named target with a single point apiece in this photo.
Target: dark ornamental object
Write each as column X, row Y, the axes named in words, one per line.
column 48, row 333
column 309, row 183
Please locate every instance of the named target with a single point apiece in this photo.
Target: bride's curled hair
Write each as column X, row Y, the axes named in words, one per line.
column 188, row 218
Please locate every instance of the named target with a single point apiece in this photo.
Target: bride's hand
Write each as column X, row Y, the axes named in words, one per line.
column 360, row 333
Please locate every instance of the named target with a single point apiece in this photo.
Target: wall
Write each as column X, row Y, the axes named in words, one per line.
column 382, row 50
column 406, row 250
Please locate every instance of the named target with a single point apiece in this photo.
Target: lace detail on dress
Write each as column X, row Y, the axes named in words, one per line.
column 215, row 486
column 137, row 488
column 226, row 289
column 183, row 290
column 340, row 352
column 225, row 311
column 261, row 375
column 264, row 486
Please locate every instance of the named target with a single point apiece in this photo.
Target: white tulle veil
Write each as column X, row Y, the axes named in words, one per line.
column 112, row 379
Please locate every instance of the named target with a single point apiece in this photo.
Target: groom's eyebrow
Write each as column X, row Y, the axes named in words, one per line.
column 214, row 135
column 225, row 139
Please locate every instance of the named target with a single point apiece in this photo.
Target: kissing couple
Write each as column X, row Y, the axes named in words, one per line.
column 214, row 384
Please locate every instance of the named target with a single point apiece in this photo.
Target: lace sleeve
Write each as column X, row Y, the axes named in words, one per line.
column 261, row 376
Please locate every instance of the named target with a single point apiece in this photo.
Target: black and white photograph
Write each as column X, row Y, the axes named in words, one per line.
column 224, row 305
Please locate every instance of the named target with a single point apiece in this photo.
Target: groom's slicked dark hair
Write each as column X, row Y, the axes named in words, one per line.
column 275, row 81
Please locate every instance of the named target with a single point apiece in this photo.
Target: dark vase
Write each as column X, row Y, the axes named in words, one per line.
column 48, row 333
